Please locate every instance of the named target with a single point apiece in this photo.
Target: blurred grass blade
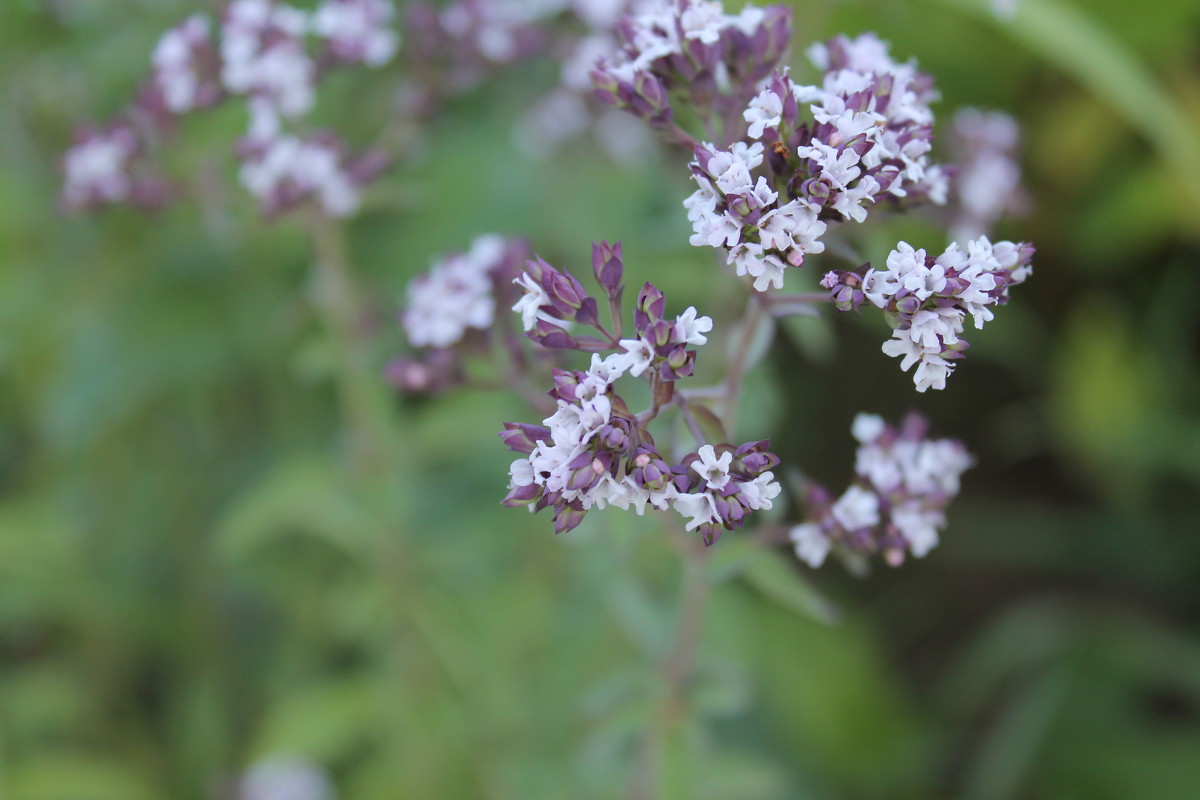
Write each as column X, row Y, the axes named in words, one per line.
column 777, row 578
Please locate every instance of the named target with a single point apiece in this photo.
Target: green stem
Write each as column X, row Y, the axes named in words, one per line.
column 677, row 669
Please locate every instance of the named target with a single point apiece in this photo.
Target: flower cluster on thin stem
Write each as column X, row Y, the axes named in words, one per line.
column 926, row 300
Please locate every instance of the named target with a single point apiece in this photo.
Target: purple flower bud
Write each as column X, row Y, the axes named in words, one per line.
column 565, row 292
column 814, row 190
column 607, row 266
column 520, row 496
column 588, row 313
column 651, row 304
column 649, row 470
column 846, row 298
column 586, row 470
column 522, row 438
column 552, row 336
column 907, row 306
column 568, row 517
column 608, row 88
column 651, row 92
column 710, row 532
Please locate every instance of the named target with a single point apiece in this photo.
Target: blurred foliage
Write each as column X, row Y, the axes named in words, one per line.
column 199, row 569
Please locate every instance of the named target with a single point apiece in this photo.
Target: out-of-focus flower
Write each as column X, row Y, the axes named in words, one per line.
column 987, row 184
column 102, row 168
column 358, row 31
column 456, row 294
column 187, row 66
column 263, row 55
column 285, row 779
column 904, row 483
column 286, row 171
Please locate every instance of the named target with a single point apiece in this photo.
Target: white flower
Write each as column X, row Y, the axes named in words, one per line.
column 690, row 329
column 794, row 230
column 715, row 471
column 520, row 472
column 812, row 546
column 700, row 507
column 766, row 269
column 531, row 302
column 840, row 168
column 919, row 528
column 174, row 71
column 703, row 21
column 262, row 53
column 638, row 356
column 866, row 428
column 759, row 492
column 765, row 111
column 288, row 165
column 857, row 508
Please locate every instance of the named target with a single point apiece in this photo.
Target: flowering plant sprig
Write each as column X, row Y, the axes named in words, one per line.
column 593, row 451
column 926, row 300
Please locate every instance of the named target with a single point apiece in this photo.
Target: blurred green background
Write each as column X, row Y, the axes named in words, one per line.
column 200, row 565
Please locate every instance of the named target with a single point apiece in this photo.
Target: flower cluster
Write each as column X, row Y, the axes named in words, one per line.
column 286, row 171
column 593, row 451
column 694, row 49
column 463, row 40
column 187, row 67
column 864, row 137
column 456, row 296
column 926, row 300
column 264, row 52
column 731, row 211
column 263, row 56
column 358, row 31
column 896, row 505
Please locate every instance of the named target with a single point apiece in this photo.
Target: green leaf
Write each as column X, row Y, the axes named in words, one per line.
column 709, row 422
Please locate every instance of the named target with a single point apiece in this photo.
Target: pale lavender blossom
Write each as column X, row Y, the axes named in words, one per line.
column 104, row 167
column 897, row 504
column 693, row 46
column 358, row 31
column 455, row 295
column 285, row 171
column 987, row 184
column 282, row 778
column 593, row 452
column 263, row 55
column 187, row 66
